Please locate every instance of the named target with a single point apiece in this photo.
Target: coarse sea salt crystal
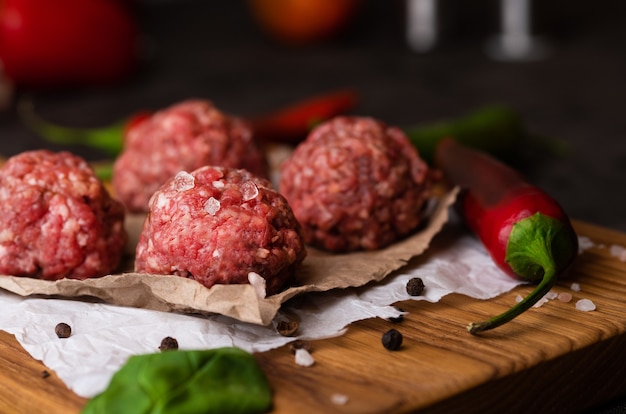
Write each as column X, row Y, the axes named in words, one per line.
column 212, row 206
column 304, row 358
column 575, row 287
column 585, row 243
column 258, row 283
column 339, row 399
column 585, row 305
column 519, row 298
column 545, row 299
column 619, row 252
column 249, row 190
column 184, row 181
column 565, row 297
column 218, row 184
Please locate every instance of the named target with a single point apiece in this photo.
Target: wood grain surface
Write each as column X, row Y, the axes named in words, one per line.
column 552, row 358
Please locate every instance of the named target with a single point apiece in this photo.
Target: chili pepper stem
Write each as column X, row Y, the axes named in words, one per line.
column 536, row 245
column 548, row 281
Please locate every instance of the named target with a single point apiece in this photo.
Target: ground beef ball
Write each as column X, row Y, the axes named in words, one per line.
column 216, row 225
column 185, row 136
column 355, row 183
column 56, row 219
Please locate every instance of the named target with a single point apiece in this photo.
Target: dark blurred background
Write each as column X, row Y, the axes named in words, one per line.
column 216, row 50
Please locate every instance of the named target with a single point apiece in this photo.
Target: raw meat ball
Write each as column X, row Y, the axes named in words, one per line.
column 56, row 219
column 185, row 136
column 217, row 225
column 355, row 183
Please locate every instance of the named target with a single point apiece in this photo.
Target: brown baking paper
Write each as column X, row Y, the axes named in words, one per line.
column 320, row 272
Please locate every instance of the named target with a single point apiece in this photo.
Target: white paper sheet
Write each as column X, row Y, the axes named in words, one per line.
column 104, row 336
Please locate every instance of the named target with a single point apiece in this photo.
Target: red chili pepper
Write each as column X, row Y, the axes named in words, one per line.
column 289, row 124
column 292, row 123
column 134, row 120
column 526, row 232
column 46, row 43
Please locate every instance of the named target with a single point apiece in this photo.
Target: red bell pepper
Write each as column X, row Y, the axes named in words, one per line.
column 526, row 232
column 46, row 43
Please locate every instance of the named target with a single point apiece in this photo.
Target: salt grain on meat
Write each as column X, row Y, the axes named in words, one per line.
column 182, row 137
column 212, row 206
column 258, row 283
column 234, row 233
column 249, row 190
column 183, row 181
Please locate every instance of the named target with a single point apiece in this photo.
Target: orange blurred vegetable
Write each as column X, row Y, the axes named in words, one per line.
column 299, row 22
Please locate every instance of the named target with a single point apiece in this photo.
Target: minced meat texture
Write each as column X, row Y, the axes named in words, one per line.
column 216, row 225
column 184, row 136
column 56, row 219
column 355, row 183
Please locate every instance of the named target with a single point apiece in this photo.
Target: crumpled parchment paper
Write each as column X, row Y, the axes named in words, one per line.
column 320, row 272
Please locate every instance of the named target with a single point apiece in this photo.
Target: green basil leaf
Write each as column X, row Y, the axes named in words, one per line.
column 223, row 380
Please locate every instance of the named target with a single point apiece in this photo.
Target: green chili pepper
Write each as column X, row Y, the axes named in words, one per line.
column 496, row 130
column 103, row 170
column 109, row 139
column 223, row 380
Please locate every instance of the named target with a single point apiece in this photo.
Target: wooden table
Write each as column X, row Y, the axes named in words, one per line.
column 551, row 358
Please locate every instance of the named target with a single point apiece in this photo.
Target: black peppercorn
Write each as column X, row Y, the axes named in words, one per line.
column 287, row 328
column 392, row 340
column 415, row 286
column 63, row 330
column 168, row 344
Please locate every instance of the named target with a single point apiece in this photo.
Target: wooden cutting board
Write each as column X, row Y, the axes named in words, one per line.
column 552, row 358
